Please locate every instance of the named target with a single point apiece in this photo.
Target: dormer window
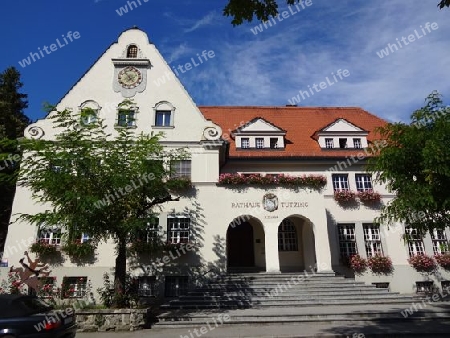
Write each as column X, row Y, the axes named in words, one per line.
column 329, row 143
column 341, row 134
column 259, row 142
column 273, row 143
column 245, row 142
column 132, row 51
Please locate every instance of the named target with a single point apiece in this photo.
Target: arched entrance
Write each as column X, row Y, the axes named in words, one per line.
column 245, row 244
column 296, row 244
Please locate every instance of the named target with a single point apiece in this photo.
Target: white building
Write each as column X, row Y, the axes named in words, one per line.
column 271, row 228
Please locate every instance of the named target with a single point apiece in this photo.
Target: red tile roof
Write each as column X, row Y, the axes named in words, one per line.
column 300, row 123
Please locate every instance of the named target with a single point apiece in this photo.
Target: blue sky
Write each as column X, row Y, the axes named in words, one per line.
column 267, row 68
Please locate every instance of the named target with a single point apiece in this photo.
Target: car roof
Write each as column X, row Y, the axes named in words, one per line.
column 11, row 305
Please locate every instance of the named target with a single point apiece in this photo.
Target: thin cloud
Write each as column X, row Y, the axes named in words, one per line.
column 206, row 20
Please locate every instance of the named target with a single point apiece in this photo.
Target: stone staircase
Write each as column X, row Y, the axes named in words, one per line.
column 266, row 298
column 258, row 290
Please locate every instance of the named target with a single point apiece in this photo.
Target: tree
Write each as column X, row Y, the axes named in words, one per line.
column 12, row 124
column 245, row 10
column 92, row 183
column 415, row 164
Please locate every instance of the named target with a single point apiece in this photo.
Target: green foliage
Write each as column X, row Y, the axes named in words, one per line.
column 246, row 10
column 118, row 295
column 101, row 182
column 42, row 249
column 415, row 164
column 79, row 250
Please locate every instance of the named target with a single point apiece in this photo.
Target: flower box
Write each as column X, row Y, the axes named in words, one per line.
column 358, row 264
column 179, row 183
column 369, row 196
column 344, row 196
column 43, row 248
column 305, row 181
column 423, row 263
column 144, row 247
column 380, row 264
column 443, row 260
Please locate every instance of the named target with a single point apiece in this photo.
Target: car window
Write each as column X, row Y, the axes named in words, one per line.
column 32, row 305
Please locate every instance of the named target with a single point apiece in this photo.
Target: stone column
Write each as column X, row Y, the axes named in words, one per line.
column 322, row 243
column 271, row 243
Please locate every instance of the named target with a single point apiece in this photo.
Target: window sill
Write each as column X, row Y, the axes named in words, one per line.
column 163, row 127
column 116, row 126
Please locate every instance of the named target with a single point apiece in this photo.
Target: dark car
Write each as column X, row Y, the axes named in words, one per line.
column 24, row 316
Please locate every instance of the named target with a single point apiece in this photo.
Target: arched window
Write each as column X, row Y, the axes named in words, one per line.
column 164, row 114
column 89, row 111
column 287, row 236
column 132, row 51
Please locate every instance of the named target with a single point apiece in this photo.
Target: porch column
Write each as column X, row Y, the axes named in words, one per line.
column 271, row 244
column 322, row 244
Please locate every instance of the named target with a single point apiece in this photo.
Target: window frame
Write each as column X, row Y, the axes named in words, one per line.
column 132, row 51
column 259, row 143
column 343, row 143
column 329, row 143
column 347, row 241
column 146, row 286
column 287, row 236
column 178, row 234
column 414, row 242
column 163, row 113
column 440, row 241
column 372, row 239
column 340, row 182
column 357, row 143
column 79, row 290
column 363, row 182
column 245, row 140
column 183, row 171
column 176, row 290
column 52, row 239
column 129, row 122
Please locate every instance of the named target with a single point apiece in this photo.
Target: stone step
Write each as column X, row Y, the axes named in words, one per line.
column 242, row 304
column 289, row 292
column 371, row 318
column 293, row 284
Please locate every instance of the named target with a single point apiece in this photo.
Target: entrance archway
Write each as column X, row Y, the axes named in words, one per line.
column 296, row 244
column 245, row 244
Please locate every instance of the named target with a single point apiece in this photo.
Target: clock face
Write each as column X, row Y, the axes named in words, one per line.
column 130, row 77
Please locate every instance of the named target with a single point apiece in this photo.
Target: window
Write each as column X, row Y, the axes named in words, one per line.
column 415, row 242
column 342, row 143
column 162, row 118
column 176, row 286
column 372, row 239
column 357, row 143
column 150, row 232
column 146, row 286
column 132, row 51
column 245, row 142
column 178, row 230
column 74, row 287
column 425, row 287
column 347, row 240
column 445, row 284
column 340, row 182
column 181, row 168
column 287, row 236
column 363, row 182
column 273, row 143
column 126, row 118
column 84, row 237
column 47, row 290
column 50, row 235
column 259, row 142
column 440, row 242
column 329, row 143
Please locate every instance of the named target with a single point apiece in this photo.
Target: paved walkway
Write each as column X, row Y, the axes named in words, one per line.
column 438, row 324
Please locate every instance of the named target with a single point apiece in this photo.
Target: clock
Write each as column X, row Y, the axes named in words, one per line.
column 129, row 77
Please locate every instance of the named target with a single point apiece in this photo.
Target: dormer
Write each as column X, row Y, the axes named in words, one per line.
column 259, row 134
column 341, row 134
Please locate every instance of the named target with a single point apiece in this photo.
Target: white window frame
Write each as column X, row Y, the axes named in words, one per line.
column 164, row 114
column 329, row 143
column 178, row 230
column 130, row 118
column 245, row 142
column 347, row 239
column 275, row 145
column 146, row 286
column 53, row 238
column 363, row 182
column 440, row 241
column 287, row 236
column 372, row 239
column 259, row 142
column 414, row 242
column 340, row 182
column 79, row 287
column 357, row 143
column 181, row 168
